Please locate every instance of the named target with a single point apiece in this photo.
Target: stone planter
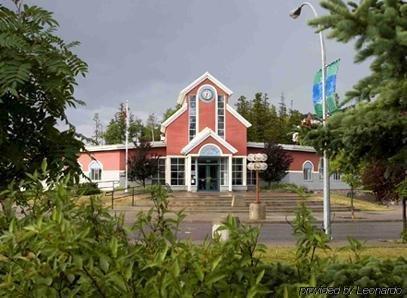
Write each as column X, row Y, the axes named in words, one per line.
column 257, row 211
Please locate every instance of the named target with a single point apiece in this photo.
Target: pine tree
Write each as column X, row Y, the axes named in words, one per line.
column 373, row 131
column 97, row 137
column 116, row 129
column 374, row 128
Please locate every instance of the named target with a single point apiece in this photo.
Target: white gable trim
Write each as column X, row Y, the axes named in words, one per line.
column 173, row 117
column 203, row 135
column 97, row 148
column 238, row 116
column 206, row 75
column 287, row 147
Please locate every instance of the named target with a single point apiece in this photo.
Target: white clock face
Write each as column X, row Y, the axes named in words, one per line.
column 207, row 94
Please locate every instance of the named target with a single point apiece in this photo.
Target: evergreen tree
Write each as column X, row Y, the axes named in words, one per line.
column 373, row 131
column 97, row 137
column 152, row 128
column 243, row 106
column 374, row 128
column 116, row 129
column 170, row 111
column 267, row 123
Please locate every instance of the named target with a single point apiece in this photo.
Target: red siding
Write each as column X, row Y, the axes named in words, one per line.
column 299, row 158
column 177, row 134
column 207, row 110
column 236, row 134
column 109, row 159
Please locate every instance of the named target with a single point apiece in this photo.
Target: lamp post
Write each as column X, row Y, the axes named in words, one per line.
column 257, row 163
column 327, row 204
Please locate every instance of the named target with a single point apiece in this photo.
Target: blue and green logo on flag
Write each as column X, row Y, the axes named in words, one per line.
column 330, row 88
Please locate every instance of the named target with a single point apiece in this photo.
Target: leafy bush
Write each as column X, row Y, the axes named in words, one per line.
column 290, row 187
column 88, row 188
column 58, row 248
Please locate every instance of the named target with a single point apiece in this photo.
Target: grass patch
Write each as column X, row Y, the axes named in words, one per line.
column 362, row 205
column 287, row 254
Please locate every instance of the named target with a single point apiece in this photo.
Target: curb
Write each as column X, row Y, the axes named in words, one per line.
column 283, row 221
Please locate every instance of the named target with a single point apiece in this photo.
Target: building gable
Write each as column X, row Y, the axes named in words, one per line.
column 208, row 136
column 198, row 81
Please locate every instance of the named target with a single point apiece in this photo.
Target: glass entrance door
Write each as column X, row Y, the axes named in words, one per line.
column 208, row 175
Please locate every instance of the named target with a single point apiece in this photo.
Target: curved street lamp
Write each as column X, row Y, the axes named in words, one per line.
column 295, row 13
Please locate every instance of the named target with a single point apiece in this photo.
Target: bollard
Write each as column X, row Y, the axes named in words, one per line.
column 224, row 234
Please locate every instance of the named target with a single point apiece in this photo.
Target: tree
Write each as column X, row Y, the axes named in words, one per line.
column 116, row 129
column 350, row 174
column 373, row 131
column 374, row 128
column 152, row 128
column 267, row 123
column 278, row 162
column 38, row 72
column 170, row 111
column 382, row 180
column 97, row 138
column 243, row 107
column 142, row 164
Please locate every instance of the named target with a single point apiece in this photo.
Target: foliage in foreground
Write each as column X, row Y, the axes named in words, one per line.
column 38, row 72
column 61, row 249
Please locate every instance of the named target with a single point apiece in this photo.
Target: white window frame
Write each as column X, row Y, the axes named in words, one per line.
column 224, row 116
column 189, row 117
column 234, row 171
column 95, row 165
column 178, row 171
column 310, row 172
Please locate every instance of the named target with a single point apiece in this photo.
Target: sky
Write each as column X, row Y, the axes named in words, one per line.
column 147, row 51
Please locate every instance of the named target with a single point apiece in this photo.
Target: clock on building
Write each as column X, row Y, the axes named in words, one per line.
column 207, row 93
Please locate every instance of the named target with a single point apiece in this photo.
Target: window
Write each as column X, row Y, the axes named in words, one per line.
column 193, row 171
column 224, row 171
column 336, row 176
column 251, row 177
column 237, row 171
column 221, row 116
column 177, row 171
column 210, row 150
column 159, row 177
column 192, row 117
column 307, row 171
column 95, row 172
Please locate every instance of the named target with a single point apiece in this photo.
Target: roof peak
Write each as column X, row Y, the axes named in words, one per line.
column 205, row 75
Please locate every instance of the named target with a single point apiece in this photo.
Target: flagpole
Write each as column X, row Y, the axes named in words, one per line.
column 127, row 146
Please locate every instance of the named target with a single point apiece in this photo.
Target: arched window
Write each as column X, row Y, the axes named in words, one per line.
column 95, row 171
column 307, row 170
column 210, row 150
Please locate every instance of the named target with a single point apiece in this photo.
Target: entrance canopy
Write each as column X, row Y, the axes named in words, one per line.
column 208, row 142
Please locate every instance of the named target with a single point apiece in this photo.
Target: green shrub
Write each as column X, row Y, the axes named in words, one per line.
column 290, row 187
column 60, row 249
column 88, row 188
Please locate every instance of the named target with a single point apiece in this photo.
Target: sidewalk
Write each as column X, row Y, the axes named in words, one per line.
column 391, row 215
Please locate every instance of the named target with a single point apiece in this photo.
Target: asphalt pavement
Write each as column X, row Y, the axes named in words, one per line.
column 281, row 233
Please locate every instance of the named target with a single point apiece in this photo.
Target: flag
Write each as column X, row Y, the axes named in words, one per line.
column 330, row 88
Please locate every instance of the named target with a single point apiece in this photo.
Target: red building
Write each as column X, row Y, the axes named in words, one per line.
column 204, row 147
